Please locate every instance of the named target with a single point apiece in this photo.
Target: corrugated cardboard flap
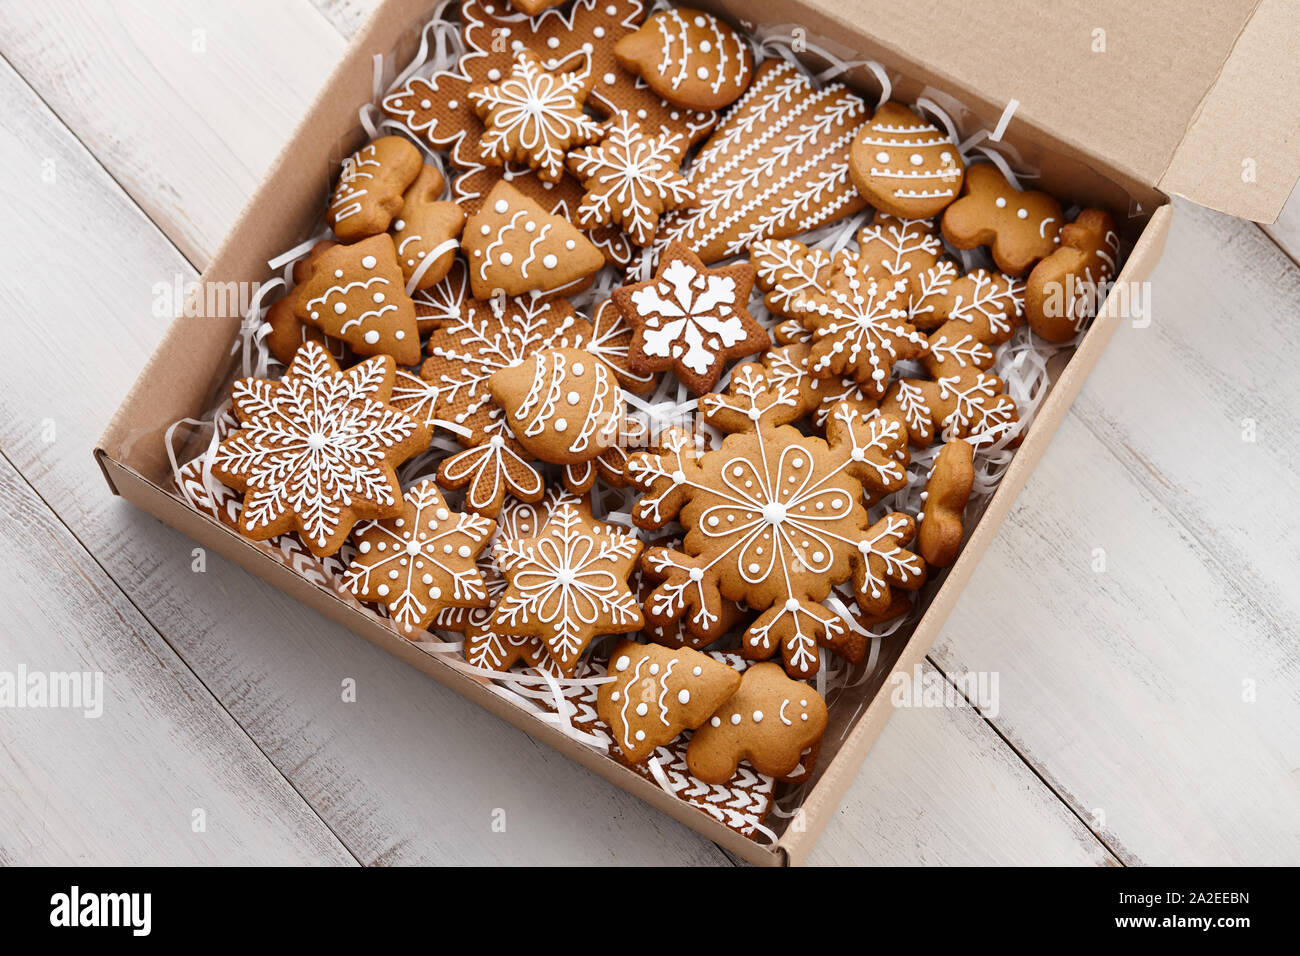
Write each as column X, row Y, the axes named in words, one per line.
column 1241, row 151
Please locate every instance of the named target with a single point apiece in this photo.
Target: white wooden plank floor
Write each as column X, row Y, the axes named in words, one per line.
column 1147, row 711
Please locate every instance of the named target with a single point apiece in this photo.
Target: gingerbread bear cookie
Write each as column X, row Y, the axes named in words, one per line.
column 774, row 518
column 690, row 58
column 370, row 188
column 1020, row 228
column 690, row 318
column 515, row 246
column 420, row 561
column 947, row 491
column 630, row 178
column 904, row 165
column 770, row 721
column 426, row 224
column 656, row 693
column 357, row 293
column 534, row 114
column 1066, row 289
column 563, row 405
column 776, row 166
column 316, row 452
column 568, row 584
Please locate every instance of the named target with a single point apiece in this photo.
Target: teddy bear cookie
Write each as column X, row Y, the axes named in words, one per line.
column 1020, row 228
column 1066, row 289
column 568, row 584
column 947, row 490
column 357, row 293
column 370, row 188
column 425, row 231
column 690, row 58
column 656, row 693
column 770, row 721
column 904, row 165
column 515, row 246
column 534, row 115
column 563, row 405
column 690, row 318
column 316, row 452
column 420, row 561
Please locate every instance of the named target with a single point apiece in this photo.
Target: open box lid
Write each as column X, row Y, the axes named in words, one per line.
column 1199, row 100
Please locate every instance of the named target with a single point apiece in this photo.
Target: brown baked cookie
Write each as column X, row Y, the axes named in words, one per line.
column 286, row 334
column 971, row 404
column 947, row 490
column 731, row 616
column 904, row 165
column 882, row 564
column 370, row 188
column 1020, row 228
column 770, row 721
column 356, row 293
column 690, row 58
column 656, row 693
column 316, row 451
column 1066, row 289
column 424, row 224
column 515, row 246
column 690, row 318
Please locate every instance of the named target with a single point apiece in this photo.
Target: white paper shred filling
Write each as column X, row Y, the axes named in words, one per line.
column 1021, row 363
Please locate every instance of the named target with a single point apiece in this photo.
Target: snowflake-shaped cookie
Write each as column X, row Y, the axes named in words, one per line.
column 568, row 584
column 774, row 518
column 315, row 452
column 631, row 178
column 970, row 404
column 534, row 115
column 421, row 561
column 691, row 318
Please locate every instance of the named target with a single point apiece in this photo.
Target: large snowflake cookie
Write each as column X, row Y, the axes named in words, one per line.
column 534, row 115
column 630, row 178
column 315, row 452
column 690, row 318
column 771, row 721
column 774, row 518
column 656, row 693
column 690, row 58
column 568, row 584
column 420, row 561
column 357, row 294
column 777, row 166
column 904, row 165
column 515, row 246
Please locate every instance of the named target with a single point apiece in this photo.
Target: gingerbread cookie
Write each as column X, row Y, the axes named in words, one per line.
column 787, row 271
column 315, row 453
column 883, row 563
column 1020, row 228
column 731, row 614
column 904, row 165
column 286, row 334
column 947, row 490
column 420, row 561
column 515, row 246
column 971, row 404
column 690, row 58
column 534, row 115
column 770, row 721
column 774, row 518
column 611, row 342
column 777, row 166
column 690, row 318
column 425, row 224
column 444, row 301
column 1066, row 289
column 357, row 293
column 568, row 584
column 370, row 188
column 891, row 249
column 534, row 7
column 787, row 366
column 630, row 178
column 656, row 693
column 563, row 405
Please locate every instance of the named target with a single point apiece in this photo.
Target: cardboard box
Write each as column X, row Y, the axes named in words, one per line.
column 1118, row 105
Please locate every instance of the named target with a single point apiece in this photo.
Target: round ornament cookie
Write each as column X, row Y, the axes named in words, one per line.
column 904, row 165
column 690, row 58
column 563, row 405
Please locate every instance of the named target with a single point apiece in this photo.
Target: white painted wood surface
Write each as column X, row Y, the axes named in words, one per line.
column 1120, row 692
